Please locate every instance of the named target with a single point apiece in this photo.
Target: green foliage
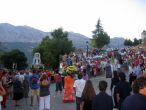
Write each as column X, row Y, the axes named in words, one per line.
column 52, row 47
column 14, row 57
column 128, row 42
column 100, row 38
column 136, row 42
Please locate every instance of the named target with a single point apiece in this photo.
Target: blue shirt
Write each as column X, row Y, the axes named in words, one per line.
column 34, row 81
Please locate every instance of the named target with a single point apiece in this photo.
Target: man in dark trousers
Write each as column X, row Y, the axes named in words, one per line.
column 102, row 101
column 123, row 89
column 138, row 100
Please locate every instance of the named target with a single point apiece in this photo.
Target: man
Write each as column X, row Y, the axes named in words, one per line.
column 79, row 86
column 34, row 86
column 102, row 101
column 138, row 100
column 123, row 89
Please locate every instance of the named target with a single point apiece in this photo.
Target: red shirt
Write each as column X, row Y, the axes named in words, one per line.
column 57, row 78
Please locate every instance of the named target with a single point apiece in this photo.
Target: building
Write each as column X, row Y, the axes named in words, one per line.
column 143, row 36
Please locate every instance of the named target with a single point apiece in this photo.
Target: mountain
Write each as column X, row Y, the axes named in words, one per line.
column 11, row 33
column 116, row 42
column 26, row 38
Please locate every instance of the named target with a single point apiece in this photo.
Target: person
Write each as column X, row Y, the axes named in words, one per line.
column 79, row 85
column 108, row 70
column 132, row 75
column 17, row 91
column 34, row 86
column 138, row 100
column 68, row 89
column 87, row 96
column 26, row 84
column 2, row 92
column 123, row 89
column 9, row 82
column 102, row 101
column 26, row 87
column 57, row 78
column 114, row 82
column 44, row 93
column 5, row 85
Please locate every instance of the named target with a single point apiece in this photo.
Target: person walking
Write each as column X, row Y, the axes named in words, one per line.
column 123, row 89
column 34, row 86
column 44, row 93
column 138, row 100
column 79, row 85
column 102, row 101
column 114, row 82
column 87, row 96
column 17, row 91
column 58, row 81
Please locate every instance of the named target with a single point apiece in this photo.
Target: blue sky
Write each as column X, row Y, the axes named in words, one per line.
column 120, row 18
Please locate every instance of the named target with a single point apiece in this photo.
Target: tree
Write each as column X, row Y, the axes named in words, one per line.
column 136, row 42
column 14, row 58
column 52, row 47
column 128, row 42
column 100, row 38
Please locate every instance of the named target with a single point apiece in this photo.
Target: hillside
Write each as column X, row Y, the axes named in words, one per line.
column 11, row 33
column 26, row 38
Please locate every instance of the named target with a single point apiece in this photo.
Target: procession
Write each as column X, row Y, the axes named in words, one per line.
column 116, row 70
column 73, row 55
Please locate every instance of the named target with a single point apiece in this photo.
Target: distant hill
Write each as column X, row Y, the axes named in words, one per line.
column 11, row 33
column 117, row 42
column 26, row 38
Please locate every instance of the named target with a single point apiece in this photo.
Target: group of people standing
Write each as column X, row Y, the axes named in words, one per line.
column 25, row 84
column 80, row 89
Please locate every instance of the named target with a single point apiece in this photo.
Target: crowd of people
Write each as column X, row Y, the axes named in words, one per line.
column 125, row 67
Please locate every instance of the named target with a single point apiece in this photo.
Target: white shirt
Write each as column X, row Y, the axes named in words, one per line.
column 79, row 85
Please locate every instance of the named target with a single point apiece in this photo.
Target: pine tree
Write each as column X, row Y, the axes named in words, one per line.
column 100, row 38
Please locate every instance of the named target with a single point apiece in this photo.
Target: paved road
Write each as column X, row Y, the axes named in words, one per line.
column 56, row 102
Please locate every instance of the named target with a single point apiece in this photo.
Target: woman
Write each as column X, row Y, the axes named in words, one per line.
column 17, row 91
column 68, row 89
column 87, row 96
column 2, row 92
column 44, row 93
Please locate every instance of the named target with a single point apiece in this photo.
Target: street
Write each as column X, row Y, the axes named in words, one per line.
column 56, row 102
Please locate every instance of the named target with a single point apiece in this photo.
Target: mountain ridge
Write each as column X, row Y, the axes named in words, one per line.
column 26, row 38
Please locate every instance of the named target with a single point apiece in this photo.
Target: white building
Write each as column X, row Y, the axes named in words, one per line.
column 143, row 36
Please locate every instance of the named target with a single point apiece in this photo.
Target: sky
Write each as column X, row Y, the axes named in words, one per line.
column 119, row 18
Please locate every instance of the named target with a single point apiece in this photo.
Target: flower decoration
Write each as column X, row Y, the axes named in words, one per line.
column 71, row 69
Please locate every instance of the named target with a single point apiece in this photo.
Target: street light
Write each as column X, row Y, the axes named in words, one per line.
column 87, row 48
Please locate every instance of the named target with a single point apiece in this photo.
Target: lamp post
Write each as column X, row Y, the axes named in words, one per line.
column 87, row 48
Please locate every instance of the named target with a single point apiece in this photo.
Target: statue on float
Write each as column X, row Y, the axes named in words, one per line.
column 37, row 61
